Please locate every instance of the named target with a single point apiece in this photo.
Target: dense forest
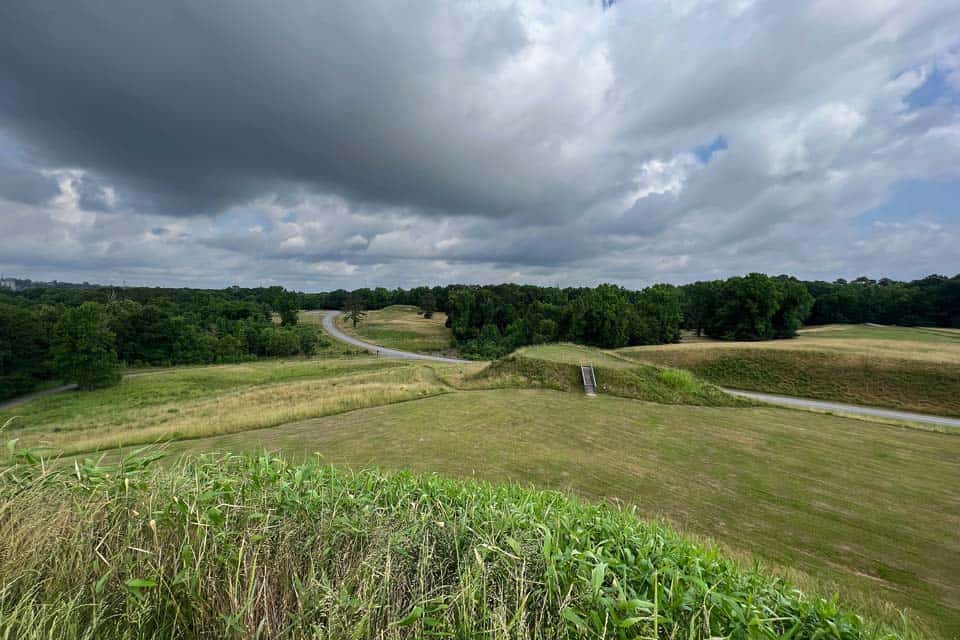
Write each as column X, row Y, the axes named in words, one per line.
column 488, row 321
column 85, row 334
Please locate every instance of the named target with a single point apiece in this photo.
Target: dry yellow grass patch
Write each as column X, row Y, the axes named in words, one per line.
column 255, row 408
column 872, row 349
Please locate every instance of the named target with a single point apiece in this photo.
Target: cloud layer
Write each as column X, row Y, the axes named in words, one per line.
column 418, row 142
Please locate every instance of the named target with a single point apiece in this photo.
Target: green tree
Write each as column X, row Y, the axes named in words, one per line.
column 229, row 349
column 24, row 349
column 746, row 309
column 286, row 305
column 607, row 317
column 427, row 305
column 354, row 309
column 310, row 340
column 281, row 341
column 658, row 316
column 699, row 303
column 83, row 347
column 460, row 314
column 795, row 304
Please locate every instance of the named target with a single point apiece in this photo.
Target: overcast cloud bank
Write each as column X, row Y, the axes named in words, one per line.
column 429, row 142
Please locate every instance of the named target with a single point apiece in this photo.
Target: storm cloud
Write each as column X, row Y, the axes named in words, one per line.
column 399, row 143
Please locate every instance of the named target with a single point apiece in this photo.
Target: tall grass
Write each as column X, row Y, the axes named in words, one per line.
column 245, row 547
column 680, row 380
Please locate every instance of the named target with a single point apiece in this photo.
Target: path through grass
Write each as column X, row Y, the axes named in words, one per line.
column 401, row 327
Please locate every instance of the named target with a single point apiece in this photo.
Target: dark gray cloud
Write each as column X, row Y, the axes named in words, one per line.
column 388, row 143
column 194, row 107
column 22, row 182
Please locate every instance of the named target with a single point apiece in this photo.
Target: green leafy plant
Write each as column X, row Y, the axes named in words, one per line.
column 241, row 547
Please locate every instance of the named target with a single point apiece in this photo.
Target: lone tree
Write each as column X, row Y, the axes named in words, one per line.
column 354, row 310
column 427, row 305
column 83, row 348
column 286, row 305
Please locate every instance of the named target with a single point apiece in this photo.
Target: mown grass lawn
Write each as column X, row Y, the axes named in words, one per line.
column 869, row 508
column 936, row 335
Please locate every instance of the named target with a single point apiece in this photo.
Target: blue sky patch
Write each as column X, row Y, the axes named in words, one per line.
column 934, row 89
column 940, row 200
column 705, row 152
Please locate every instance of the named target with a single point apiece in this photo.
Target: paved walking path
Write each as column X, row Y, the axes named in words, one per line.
column 331, row 327
column 823, row 405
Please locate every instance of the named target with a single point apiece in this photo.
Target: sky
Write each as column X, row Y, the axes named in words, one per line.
column 419, row 142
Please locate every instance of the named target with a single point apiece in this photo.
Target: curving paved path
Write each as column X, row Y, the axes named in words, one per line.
column 330, row 327
column 822, row 405
column 787, row 401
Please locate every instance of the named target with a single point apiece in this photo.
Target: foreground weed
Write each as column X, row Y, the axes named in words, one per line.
column 241, row 547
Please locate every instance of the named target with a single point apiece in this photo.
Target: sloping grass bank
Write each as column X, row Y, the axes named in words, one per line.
column 863, row 509
column 910, row 385
column 615, row 377
column 246, row 547
column 194, row 403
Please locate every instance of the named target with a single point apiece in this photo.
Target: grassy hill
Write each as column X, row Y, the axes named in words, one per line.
column 839, row 505
column 866, row 509
column 255, row 547
column 551, row 367
column 184, row 403
column 900, row 368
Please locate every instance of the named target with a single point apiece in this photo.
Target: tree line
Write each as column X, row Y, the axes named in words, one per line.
column 84, row 336
column 488, row 321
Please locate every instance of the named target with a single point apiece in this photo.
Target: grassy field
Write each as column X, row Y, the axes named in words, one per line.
column 864, row 508
column 197, row 402
column 204, row 401
column 401, row 327
column 936, row 335
column 899, row 368
column 868, row 507
column 257, row 548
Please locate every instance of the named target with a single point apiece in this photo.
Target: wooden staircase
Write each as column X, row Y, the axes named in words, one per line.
column 589, row 380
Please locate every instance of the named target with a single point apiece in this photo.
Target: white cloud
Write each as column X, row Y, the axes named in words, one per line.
column 531, row 140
